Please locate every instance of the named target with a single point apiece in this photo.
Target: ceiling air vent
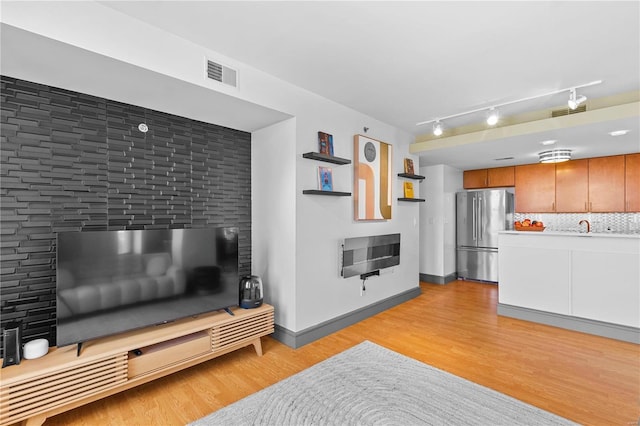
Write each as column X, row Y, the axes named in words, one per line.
column 222, row 73
column 568, row 111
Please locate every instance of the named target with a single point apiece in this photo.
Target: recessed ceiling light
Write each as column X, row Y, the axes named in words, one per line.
column 548, row 142
column 619, row 132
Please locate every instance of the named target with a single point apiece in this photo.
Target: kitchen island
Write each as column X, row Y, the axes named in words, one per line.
column 581, row 281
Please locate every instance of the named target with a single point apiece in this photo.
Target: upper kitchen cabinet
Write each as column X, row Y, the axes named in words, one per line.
column 632, row 182
column 501, row 176
column 496, row 177
column 572, row 186
column 606, row 184
column 535, row 188
column 473, row 179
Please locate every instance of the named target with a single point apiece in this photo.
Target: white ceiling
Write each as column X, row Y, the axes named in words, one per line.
column 406, row 62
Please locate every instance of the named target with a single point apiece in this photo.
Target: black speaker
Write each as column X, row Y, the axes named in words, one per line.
column 12, row 344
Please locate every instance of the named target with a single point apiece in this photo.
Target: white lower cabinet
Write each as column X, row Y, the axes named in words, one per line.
column 605, row 287
column 595, row 277
column 542, row 278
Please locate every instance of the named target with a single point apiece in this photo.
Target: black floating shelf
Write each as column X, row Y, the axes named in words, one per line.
column 318, row 192
column 415, row 200
column 410, row 176
column 325, row 157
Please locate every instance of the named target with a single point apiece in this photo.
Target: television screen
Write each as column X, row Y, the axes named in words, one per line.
column 109, row 282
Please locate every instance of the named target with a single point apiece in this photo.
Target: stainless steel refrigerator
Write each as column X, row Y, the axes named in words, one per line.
column 480, row 215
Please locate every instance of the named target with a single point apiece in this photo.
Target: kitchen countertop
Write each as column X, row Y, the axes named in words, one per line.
column 573, row 234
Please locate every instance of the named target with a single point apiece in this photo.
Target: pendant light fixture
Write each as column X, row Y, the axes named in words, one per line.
column 555, row 156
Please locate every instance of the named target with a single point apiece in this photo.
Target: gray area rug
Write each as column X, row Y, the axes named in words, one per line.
column 371, row 385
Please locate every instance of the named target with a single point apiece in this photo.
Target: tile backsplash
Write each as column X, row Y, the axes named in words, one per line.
column 619, row 223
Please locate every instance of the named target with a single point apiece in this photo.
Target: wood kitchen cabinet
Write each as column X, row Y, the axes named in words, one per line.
column 606, row 184
column 473, row 179
column 496, row 177
column 572, row 186
column 632, row 182
column 535, row 188
column 501, row 176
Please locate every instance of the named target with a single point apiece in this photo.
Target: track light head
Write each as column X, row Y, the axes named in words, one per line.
column 574, row 101
column 437, row 128
column 492, row 117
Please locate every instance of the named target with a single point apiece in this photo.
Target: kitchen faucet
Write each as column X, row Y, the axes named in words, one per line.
column 588, row 224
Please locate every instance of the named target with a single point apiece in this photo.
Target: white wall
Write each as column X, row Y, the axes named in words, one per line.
column 323, row 221
column 438, row 220
column 296, row 237
column 273, row 216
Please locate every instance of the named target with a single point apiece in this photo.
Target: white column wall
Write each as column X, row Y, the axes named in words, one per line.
column 452, row 184
column 438, row 220
column 273, row 217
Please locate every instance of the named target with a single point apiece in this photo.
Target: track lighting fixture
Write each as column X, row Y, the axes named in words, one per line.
column 555, row 156
column 437, row 128
column 575, row 101
column 492, row 119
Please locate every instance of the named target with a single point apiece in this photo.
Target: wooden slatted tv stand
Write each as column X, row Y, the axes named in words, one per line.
column 60, row 381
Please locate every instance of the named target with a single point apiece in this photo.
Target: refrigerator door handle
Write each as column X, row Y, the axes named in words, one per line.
column 480, row 230
column 473, row 218
column 478, row 249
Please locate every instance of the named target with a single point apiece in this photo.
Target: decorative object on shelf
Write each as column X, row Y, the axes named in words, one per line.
column 325, row 178
column 408, row 189
column 325, row 143
column 408, row 166
column 372, row 178
column 328, row 159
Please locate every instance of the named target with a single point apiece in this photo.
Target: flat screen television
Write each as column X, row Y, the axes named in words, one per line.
column 109, row 282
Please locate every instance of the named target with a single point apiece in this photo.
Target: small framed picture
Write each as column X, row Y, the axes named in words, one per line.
column 325, row 143
column 325, row 179
column 408, row 166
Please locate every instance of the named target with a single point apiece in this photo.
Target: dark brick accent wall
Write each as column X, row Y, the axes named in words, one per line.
column 74, row 162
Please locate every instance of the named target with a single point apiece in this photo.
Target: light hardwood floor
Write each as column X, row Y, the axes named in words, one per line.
column 587, row 379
